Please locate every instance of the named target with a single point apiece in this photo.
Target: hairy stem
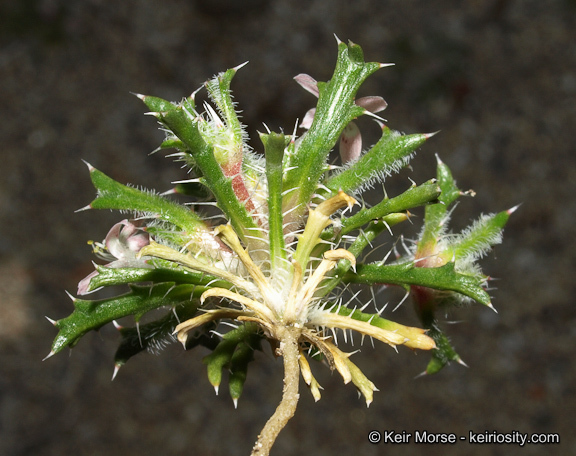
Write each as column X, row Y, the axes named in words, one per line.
column 288, row 337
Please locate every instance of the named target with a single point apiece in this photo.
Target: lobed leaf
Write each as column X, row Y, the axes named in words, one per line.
column 436, row 215
column 114, row 195
column 243, row 355
column 219, row 90
column 407, row 274
column 236, row 347
column 390, row 153
column 480, row 237
column 92, row 315
column 335, row 109
column 181, row 124
column 443, row 353
column 119, row 276
column 413, row 197
column 152, row 336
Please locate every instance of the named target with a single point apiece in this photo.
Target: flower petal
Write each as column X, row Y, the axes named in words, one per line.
column 308, row 83
column 350, row 143
column 84, row 284
column 308, row 119
column 125, row 239
column 372, row 104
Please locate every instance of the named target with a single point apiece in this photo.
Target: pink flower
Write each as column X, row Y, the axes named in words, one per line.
column 123, row 242
column 350, row 139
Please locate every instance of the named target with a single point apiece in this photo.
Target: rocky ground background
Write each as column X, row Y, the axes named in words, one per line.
column 497, row 77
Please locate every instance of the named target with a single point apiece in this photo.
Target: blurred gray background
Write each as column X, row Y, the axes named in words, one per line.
column 497, row 77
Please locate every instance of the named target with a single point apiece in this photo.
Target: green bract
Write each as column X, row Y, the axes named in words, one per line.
column 286, row 248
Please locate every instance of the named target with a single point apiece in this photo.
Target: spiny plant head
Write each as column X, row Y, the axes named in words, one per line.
column 286, row 245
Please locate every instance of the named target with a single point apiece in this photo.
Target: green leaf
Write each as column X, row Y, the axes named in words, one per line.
column 389, row 154
column 435, row 216
column 156, row 104
column 243, row 355
column 443, row 353
column 92, row 315
column 413, row 197
column 479, row 238
column 219, row 90
column 335, row 109
column 274, row 145
column 186, row 129
column 113, row 195
column 406, row 275
column 172, row 143
column 195, row 189
column 383, row 216
column 218, row 359
column 152, row 336
column 246, row 338
column 450, row 192
column 363, row 240
column 119, row 276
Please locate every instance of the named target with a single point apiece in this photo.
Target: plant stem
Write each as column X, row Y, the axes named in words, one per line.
column 288, row 337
